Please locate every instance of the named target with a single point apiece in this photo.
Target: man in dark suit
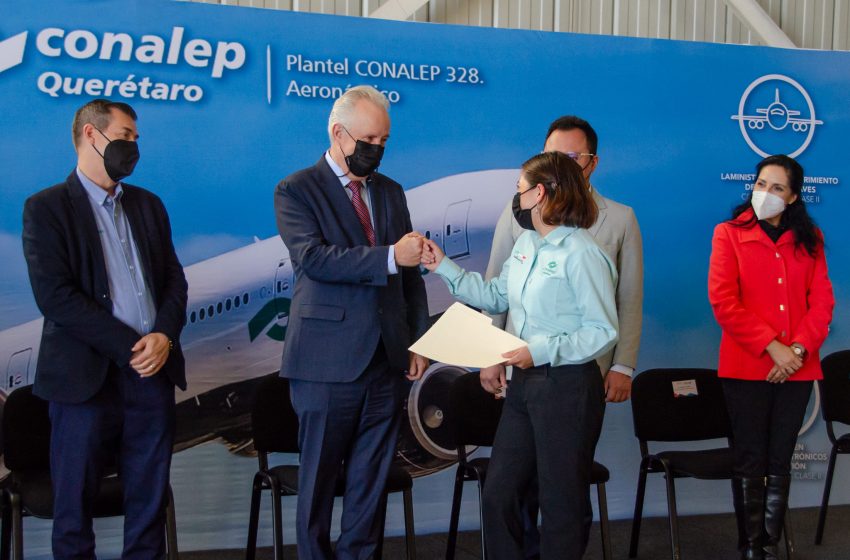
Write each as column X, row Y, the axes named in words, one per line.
column 107, row 280
column 358, row 304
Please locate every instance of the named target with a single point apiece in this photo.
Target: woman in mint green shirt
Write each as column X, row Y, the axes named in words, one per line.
column 559, row 287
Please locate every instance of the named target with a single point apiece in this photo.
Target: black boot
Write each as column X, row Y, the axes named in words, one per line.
column 748, row 497
column 775, row 505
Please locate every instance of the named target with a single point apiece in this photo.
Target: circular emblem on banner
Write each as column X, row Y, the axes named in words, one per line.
column 776, row 116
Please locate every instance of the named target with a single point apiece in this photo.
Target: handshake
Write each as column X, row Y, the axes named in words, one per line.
column 414, row 249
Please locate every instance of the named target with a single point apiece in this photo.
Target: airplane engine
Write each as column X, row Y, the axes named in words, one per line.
column 425, row 441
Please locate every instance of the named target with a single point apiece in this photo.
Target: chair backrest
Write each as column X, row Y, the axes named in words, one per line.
column 26, row 431
column 274, row 423
column 473, row 413
column 835, row 393
column 662, row 413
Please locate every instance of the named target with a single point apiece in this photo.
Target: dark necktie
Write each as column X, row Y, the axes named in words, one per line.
column 361, row 211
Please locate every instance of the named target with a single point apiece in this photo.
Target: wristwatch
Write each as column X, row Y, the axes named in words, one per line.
column 798, row 349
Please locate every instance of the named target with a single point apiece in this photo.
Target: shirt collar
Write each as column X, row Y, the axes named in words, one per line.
column 97, row 194
column 341, row 175
column 554, row 237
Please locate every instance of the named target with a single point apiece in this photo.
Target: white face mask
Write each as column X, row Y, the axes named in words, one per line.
column 767, row 205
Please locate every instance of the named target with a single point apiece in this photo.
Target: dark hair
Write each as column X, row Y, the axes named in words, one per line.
column 568, row 199
column 98, row 113
column 571, row 122
column 795, row 217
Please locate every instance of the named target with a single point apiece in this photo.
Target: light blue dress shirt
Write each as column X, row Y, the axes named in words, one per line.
column 367, row 198
column 132, row 303
column 559, row 290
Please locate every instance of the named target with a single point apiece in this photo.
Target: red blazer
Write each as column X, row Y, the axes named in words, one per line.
column 762, row 291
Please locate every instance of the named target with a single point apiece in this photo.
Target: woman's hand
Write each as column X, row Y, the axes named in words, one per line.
column 520, row 357
column 786, row 362
column 493, row 379
column 432, row 255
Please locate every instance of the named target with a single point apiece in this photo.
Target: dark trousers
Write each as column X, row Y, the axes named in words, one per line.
column 549, row 428
column 129, row 423
column 765, row 418
column 345, row 429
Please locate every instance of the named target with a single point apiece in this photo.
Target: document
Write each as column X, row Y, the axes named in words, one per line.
column 463, row 337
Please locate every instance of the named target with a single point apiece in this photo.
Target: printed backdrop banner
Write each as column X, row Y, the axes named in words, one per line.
column 231, row 100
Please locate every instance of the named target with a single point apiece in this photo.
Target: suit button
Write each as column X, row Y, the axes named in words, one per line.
column 778, row 255
column 380, row 311
column 781, row 307
column 104, row 296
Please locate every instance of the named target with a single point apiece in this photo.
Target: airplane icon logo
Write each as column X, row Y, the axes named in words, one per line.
column 778, row 116
column 790, row 125
column 12, row 51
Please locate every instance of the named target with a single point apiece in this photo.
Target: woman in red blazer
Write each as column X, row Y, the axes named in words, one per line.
column 768, row 286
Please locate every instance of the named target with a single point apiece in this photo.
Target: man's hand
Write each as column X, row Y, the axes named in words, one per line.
column 418, row 365
column 150, row 354
column 408, row 249
column 618, row 386
column 520, row 357
column 493, row 379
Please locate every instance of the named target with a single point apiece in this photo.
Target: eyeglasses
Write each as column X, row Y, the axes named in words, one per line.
column 575, row 156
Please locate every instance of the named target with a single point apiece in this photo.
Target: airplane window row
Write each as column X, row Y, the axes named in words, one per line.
column 211, row 310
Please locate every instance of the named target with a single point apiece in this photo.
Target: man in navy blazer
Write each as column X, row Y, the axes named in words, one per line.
column 358, row 303
column 107, row 280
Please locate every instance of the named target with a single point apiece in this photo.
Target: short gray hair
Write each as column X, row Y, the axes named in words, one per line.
column 344, row 105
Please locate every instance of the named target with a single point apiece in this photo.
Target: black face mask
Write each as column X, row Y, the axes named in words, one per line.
column 522, row 215
column 365, row 159
column 119, row 157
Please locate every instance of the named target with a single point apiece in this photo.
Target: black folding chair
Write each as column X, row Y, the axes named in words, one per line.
column 29, row 492
column 664, row 414
column 835, row 406
column 275, row 430
column 474, row 414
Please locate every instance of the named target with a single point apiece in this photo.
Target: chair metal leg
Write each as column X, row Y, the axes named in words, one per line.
column 602, row 498
column 827, row 487
column 789, row 536
column 17, row 527
column 6, row 534
column 409, row 529
column 636, row 520
column 481, row 517
column 277, row 518
column 673, row 516
column 254, row 518
column 171, row 528
column 451, row 541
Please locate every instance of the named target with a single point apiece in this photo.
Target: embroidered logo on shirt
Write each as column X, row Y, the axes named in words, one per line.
column 519, row 256
column 549, row 268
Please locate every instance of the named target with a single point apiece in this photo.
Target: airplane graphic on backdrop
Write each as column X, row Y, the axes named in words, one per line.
column 238, row 313
column 778, row 116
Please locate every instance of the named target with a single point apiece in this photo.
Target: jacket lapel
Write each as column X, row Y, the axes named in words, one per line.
column 603, row 213
column 379, row 211
column 84, row 217
column 335, row 193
